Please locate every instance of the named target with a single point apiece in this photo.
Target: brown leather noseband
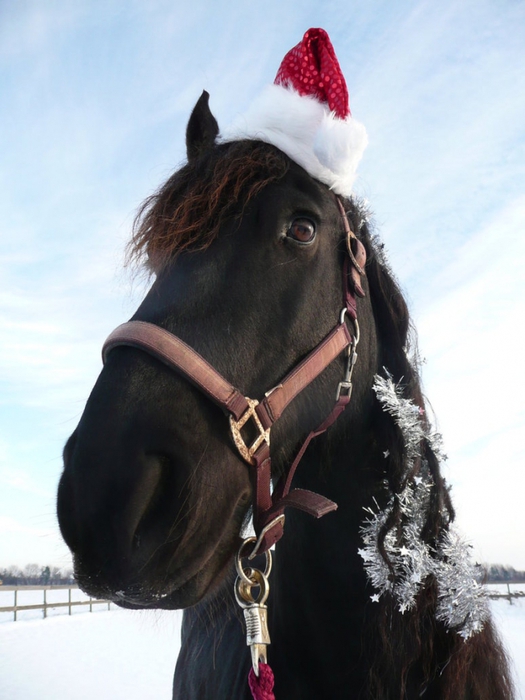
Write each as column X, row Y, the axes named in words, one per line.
column 268, row 510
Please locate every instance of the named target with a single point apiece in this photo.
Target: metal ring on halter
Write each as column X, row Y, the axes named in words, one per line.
column 345, row 386
column 243, row 591
column 238, row 565
column 357, row 336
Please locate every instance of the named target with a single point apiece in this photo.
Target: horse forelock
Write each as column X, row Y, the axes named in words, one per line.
column 189, row 209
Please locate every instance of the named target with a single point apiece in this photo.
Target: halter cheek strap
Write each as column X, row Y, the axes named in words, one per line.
column 176, row 354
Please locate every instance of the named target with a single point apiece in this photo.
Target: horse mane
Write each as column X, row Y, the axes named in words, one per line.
column 413, row 650
column 187, row 212
column 399, row 356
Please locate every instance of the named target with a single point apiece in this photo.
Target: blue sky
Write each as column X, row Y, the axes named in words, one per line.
column 95, row 98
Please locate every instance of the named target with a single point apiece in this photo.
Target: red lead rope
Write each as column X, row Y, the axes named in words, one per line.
column 262, row 687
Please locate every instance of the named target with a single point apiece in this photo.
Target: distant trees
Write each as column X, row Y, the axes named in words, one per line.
column 497, row 573
column 36, row 575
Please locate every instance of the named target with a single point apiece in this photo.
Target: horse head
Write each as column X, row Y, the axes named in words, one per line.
column 248, row 252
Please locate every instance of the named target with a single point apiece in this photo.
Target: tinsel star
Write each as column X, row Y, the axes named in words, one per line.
column 462, row 604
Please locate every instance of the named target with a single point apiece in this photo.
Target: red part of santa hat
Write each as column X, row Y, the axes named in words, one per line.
column 311, row 68
column 306, row 114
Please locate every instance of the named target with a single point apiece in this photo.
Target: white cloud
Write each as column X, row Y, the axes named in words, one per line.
column 471, row 336
column 32, row 29
column 10, row 525
column 471, row 333
column 22, row 481
column 22, row 543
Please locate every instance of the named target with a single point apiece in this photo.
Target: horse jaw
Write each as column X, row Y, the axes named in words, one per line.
column 144, row 537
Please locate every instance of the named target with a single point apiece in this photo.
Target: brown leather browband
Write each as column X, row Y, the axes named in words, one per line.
column 268, row 508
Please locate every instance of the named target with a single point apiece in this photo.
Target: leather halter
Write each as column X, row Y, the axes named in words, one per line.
column 268, row 510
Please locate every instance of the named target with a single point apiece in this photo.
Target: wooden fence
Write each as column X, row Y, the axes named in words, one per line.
column 46, row 605
column 509, row 595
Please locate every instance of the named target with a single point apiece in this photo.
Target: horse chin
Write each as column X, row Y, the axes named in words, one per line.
column 201, row 586
column 166, row 582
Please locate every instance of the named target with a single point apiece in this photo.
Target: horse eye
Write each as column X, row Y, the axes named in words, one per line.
column 302, row 231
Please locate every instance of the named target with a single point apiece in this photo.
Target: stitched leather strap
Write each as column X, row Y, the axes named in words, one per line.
column 312, row 503
column 179, row 356
column 272, row 407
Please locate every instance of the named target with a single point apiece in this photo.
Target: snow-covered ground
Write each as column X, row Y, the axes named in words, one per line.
column 510, row 620
column 107, row 655
column 121, row 655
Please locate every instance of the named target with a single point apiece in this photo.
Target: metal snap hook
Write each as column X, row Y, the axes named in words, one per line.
column 243, row 591
column 241, row 572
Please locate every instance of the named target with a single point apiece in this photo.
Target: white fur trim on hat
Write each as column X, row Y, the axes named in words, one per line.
column 327, row 147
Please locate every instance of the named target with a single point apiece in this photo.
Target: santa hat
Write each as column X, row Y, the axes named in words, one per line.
column 306, row 114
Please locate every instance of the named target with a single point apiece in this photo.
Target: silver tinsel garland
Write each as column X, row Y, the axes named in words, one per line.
column 462, row 603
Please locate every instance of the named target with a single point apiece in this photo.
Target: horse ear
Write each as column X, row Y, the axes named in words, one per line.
column 202, row 128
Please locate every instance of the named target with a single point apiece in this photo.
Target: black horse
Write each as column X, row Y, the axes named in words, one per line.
column 248, row 252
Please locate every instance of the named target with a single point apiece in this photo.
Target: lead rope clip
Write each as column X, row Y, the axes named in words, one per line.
column 251, row 592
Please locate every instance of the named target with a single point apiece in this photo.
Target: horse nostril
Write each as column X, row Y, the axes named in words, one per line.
column 144, row 495
column 155, row 491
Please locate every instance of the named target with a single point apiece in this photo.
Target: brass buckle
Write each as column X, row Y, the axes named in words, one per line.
column 248, row 452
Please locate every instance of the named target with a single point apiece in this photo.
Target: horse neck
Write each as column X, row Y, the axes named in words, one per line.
column 319, row 594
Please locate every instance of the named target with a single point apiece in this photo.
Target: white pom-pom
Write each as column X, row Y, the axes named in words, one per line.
column 339, row 146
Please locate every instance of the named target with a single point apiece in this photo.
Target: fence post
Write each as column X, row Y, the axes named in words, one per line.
column 47, row 604
column 510, row 594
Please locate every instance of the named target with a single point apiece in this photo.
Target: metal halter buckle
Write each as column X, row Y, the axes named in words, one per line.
column 345, row 386
column 248, row 452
